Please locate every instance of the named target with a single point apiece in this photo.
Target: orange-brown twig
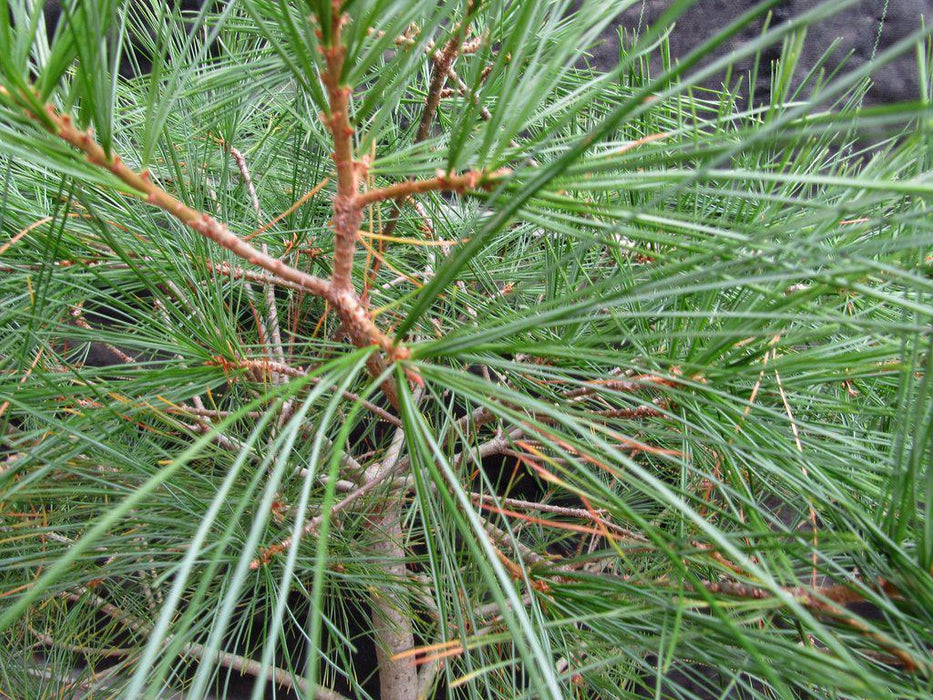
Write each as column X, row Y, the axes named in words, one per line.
column 201, row 222
column 443, row 182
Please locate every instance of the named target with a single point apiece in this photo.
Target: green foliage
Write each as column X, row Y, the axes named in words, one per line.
column 667, row 424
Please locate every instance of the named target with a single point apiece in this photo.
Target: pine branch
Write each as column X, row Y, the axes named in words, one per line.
column 363, row 332
column 247, row 180
column 441, row 64
column 201, row 222
column 262, row 367
column 443, row 182
column 696, row 232
column 236, row 662
column 378, row 474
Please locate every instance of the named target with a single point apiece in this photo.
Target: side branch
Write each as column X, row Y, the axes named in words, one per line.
column 281, row 676
column 203, row 223
column 442, row 62
column 444, row 182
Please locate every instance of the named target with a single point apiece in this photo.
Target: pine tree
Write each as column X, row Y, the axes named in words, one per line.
column 386, row 349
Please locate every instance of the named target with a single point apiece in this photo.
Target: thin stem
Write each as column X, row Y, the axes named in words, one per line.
column 247, row 180
column 311, row 526
column 49, row 641
column 627, row 386
column 272, row 320
column 201, row 222
column 500, row 502
column 235, row 662
column 280, row 368
column 377, row 474
column 443, row 182
column 438, row 78
column 442, row 63
column 827, row 601
column 238, row 273
column 79, row 320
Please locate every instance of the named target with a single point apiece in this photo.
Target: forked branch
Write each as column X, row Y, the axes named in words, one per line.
column 362, row 330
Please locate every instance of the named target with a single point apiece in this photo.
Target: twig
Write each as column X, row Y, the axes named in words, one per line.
column 441, row 64
column 628, row 386
column 442, row 182
column 268, row 324
column 824, row 600
column 582, row 513
column 427, row 676
column 281, row 368
column 496, row 610
column 259, row 277
column 182, row 299
column 377, row 475
column 273, row 323
column 200, row 222
column 312, row 525
column 50, row 641
column 272, row 320
column 203, row 427
column 235, row 662
column 210, row 413
column 247, row 180
column 827, row 601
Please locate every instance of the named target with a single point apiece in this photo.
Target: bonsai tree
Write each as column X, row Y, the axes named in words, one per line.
column 386, row 349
